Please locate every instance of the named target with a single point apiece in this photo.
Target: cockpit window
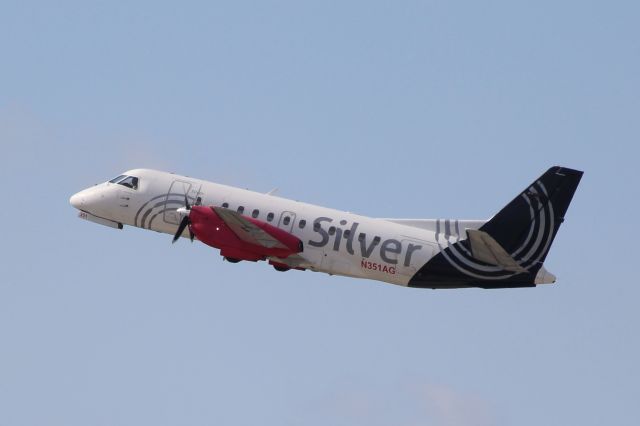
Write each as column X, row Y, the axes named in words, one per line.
column 116, row 179
column 129, row 182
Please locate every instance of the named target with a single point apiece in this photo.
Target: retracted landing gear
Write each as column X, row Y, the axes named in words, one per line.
column 281, row 268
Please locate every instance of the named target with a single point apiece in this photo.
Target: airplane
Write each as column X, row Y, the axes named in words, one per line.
column 506, row 251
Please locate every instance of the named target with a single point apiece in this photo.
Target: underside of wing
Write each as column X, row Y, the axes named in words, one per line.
column 293, row 261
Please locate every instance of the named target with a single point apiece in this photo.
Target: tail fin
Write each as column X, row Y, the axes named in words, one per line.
column 526, row 226
column 509, row 249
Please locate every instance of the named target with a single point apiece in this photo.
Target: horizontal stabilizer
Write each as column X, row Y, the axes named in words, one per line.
column 486, row 249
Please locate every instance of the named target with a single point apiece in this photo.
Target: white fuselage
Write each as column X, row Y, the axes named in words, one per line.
column 335, row 242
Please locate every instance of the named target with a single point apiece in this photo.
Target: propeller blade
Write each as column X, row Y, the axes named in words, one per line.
column 197, row 203
column 183, row 224
column 186, row 202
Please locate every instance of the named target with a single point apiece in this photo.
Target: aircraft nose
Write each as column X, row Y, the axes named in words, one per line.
column 77, row 200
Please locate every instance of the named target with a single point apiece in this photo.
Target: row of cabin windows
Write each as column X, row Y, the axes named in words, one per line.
column 332, row 230
column 301, row 224
column 270, row 216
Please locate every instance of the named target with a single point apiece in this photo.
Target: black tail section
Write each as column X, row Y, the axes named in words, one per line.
column 539, row 209
column 525, row 229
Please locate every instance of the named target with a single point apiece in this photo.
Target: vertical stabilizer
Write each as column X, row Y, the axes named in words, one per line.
column 509, row 249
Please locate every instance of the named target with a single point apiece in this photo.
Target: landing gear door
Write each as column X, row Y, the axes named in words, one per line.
column 175, row 200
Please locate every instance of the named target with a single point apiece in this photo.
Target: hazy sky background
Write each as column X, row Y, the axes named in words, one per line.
column 390, row 109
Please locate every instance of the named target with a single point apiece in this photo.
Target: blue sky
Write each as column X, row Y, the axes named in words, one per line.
column 390, row 109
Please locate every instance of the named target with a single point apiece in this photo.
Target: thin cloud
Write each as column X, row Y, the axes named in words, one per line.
column 404, row 404
column 449, row 407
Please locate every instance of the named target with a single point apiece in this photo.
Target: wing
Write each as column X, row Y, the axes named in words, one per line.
column 248, row 231
column 293, row 261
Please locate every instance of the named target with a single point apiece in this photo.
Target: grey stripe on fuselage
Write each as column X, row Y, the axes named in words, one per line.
column 156, row 215
column 166, row 196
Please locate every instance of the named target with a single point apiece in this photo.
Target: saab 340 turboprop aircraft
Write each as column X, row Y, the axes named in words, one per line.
column 505, row 251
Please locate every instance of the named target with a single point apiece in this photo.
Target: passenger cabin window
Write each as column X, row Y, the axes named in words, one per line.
column 346, row 233
column 129, row 182
column 332, row 230
column 255, row 213
column 286, row 220
column 241, row 209
column 302, row 223
column 270, row 217
column 225, row 205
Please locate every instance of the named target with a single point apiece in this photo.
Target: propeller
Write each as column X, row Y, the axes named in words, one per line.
column 185, row 212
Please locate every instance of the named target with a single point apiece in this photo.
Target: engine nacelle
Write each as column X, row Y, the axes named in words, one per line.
column 212, row 230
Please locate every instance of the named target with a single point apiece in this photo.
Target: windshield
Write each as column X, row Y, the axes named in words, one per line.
column 124, row 180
